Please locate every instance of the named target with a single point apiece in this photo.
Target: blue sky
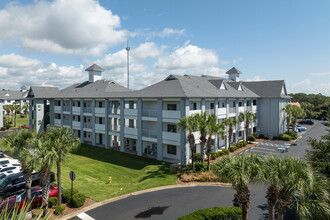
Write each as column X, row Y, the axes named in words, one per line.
column 52, row 42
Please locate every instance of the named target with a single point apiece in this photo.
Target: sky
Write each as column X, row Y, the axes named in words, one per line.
column 51, row 43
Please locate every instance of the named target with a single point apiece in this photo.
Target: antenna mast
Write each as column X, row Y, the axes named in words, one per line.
column 127, row 49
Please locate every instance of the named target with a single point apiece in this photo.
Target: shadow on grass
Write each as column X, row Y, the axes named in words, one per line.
column 118, row 158
column 162, row 172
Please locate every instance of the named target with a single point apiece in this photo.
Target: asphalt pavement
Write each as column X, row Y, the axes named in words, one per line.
column 173, row 203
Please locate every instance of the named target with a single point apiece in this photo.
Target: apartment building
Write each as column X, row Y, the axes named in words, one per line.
column 9, row 97
column 106, row 114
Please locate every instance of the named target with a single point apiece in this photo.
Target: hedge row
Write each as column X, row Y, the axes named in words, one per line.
column 237, row 146
column 78, row 199
column 214, row 213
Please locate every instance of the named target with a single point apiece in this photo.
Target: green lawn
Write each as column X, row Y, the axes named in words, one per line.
column 129, row 173
column 22, row 121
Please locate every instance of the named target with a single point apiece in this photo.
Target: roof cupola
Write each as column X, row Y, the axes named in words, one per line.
column 95, row 73
column 233, row 74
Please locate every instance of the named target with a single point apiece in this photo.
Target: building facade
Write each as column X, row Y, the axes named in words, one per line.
column 105, row 114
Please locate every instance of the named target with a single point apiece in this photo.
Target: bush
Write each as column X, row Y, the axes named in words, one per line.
column 200, row 166
column 292, row 134
column 198, row 157
column 275, row 138
column 52, row 201
column 285, row 137
column 7, row 126
column 219, row 213
column 214, row 155
column 225, row 152
column 251, row 138
column 21, row 116
column 232, row 148
column 220, row 153
column 59, row 209
column 262, row 136
column 66, row 195
column 255, row 134
column 78, row 200
column 3, row 129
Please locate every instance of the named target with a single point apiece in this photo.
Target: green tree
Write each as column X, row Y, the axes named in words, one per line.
column 189, row 124
column 230, row 123
column 64, row 142
column 296, row 113
column 308, row 109
column 288, row 110
column 7, row 110
column 19, row 142
column 202, row 128
column 247, row 117
column 25, row 108
column 213, row 128
column 240, row 170
column 16, row 108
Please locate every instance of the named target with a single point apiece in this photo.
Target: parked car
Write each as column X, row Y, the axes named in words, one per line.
column 308, row 122
column 7, row 161
column 9, row 165
column 14, row 184
column 300, row 128
column 11, row 169
column 25, row 126
column 2, row 154
column 36, row 195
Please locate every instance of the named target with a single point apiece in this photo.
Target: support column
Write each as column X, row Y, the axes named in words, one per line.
column 106, row 118
column 1, row 113
column 160, row 129
column 51, row 112
column 81, row 120
column 139, row 128
column 244, row 133
column 131, row 144
column 93, row 123
column 184, row 144
column 227, row 116
column 236, row 117
column 62, row 116
column 203, row 105
column 31, row 125
column 216, row 139
column 40, row 115
column 122, row 125
column 71, row 115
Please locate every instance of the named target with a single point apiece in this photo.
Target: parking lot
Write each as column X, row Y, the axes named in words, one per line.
column 267, row 148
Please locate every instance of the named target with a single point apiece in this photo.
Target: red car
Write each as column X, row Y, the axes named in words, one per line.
column 36, row 195
column 25, row 126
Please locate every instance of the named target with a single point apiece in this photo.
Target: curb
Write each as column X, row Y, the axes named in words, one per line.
column 98, row 204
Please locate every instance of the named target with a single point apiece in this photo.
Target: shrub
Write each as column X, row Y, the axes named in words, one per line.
column 198, row 157
column 78, row 200
column 292, row 134
column 21, row 116
column 59, row 209
column 251, row 138
column 7, row 126
column 3, row 129
column 200, row 166
column 214, row 155
column 52, row 201
column 220, row 213
column 66, row 195
column 225, row 152
column 232, row 148
column 285, row 137
column 255, row 134
column 275, row 138
column 220, row 153
column 262, row 136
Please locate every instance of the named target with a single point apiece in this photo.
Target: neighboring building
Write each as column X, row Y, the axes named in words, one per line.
column 9, row 97
column 106, row 114
column 296, row 104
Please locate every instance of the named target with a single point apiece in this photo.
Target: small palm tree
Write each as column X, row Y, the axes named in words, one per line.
column 16, row 108
column 296, row 113
column 230, row 124
column 213, row 128
column 7, row 110
column 64, row 142
column 189, row 123
column 202, row 128
column 288, row 110
column 19, row 142
column 26, row 108
column 240, row 170
column 247, row 117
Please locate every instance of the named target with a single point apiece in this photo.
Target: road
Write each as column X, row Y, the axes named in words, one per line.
column 173, row 203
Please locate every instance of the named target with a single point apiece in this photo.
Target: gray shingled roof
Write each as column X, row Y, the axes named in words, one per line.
column 267, row 89
column 11, row 95
column 95, row 67
column 233, row 70
column 42, row 92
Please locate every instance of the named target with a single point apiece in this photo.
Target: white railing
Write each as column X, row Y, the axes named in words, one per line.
column 76, row 124
column 149, row 113
column 88, row 110
column 57, row 108
column 171, row 136
column 66, row 122
column 57, row 122
column 222, row 111
column 66, row 108
column 171, row 114
column 192, row 112
column 209, row 111
column 149, row 133
column 99, row 110
column 115, row 128
column 130, row 131
column 249, row 108
column 88, row 125
column 100, row 127
column 241, row 109
column 76, row 109
column 232, row 109
column 131, row 112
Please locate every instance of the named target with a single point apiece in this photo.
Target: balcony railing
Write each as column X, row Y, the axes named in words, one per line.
column 209, row 111
column 115, row 128
column 88, row 110
column 66, row 108
column 149, row 113
column 249, row 108
column 232, row 110
column 66, row 122
column 149, row 133
column 88, row 125
column 114, row 111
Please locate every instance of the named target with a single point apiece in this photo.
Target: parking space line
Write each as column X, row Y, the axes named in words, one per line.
column 84, row 216
column 262, row 148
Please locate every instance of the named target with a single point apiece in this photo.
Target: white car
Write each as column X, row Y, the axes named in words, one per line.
column 6, row 162
column 11, row 169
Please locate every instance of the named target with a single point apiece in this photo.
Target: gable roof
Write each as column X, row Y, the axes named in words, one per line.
column 11, row 95
column 95, row 67
column 233, row 71
column 267, row 89
column 42, row 92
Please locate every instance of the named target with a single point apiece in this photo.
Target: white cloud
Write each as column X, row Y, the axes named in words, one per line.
column 19, row 70
column 61, row 26
column 321, row 74
column 170, row 31
column 307, row 86
column 256, row 78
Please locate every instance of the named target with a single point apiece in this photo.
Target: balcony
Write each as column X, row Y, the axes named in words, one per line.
column 241, row 109
column 222, row 111
column 88, row 125
column 76, row 124
column 57, row 122
column 66, row 122
column 171, row 114
column 76, row 110
column 192, row 112
column 254, row 108
column 114, row 111
column 130, row 112
column 232, row 110
column 209, row 111
column 66, row 108
column 114, row 128
column 149, row 133
column 88, row 110
column 171, row 136
column 57, row 108
column 100, row 127
column 249, row 108
column 100, row 111
column 149, row 113
column 130, row 131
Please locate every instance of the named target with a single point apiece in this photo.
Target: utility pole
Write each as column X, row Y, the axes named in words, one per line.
column 127, row 49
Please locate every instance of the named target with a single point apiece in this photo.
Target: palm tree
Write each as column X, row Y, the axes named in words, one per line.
column 25, row 108
column 230, row 124
column 44, row 158
column 288, row 110
column 296, row 113
column 19, row 142
column 202, row 128
column 213, row 128
column 64, row 142
column 189, row 123
column 247, row 117
column 7, row 109
column 16, row 108
column 240, row 170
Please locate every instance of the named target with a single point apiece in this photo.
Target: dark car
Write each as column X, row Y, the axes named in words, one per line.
column 14, row 184
column 308, row 122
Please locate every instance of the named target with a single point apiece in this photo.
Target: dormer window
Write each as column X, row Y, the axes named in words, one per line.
column 240, row 88
column 223, row 86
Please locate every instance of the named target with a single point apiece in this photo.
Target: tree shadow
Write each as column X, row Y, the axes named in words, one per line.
column 158, row 210
column 162, row 172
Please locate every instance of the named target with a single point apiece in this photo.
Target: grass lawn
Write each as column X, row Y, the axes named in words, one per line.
column 129, row 173
column 21, row 121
